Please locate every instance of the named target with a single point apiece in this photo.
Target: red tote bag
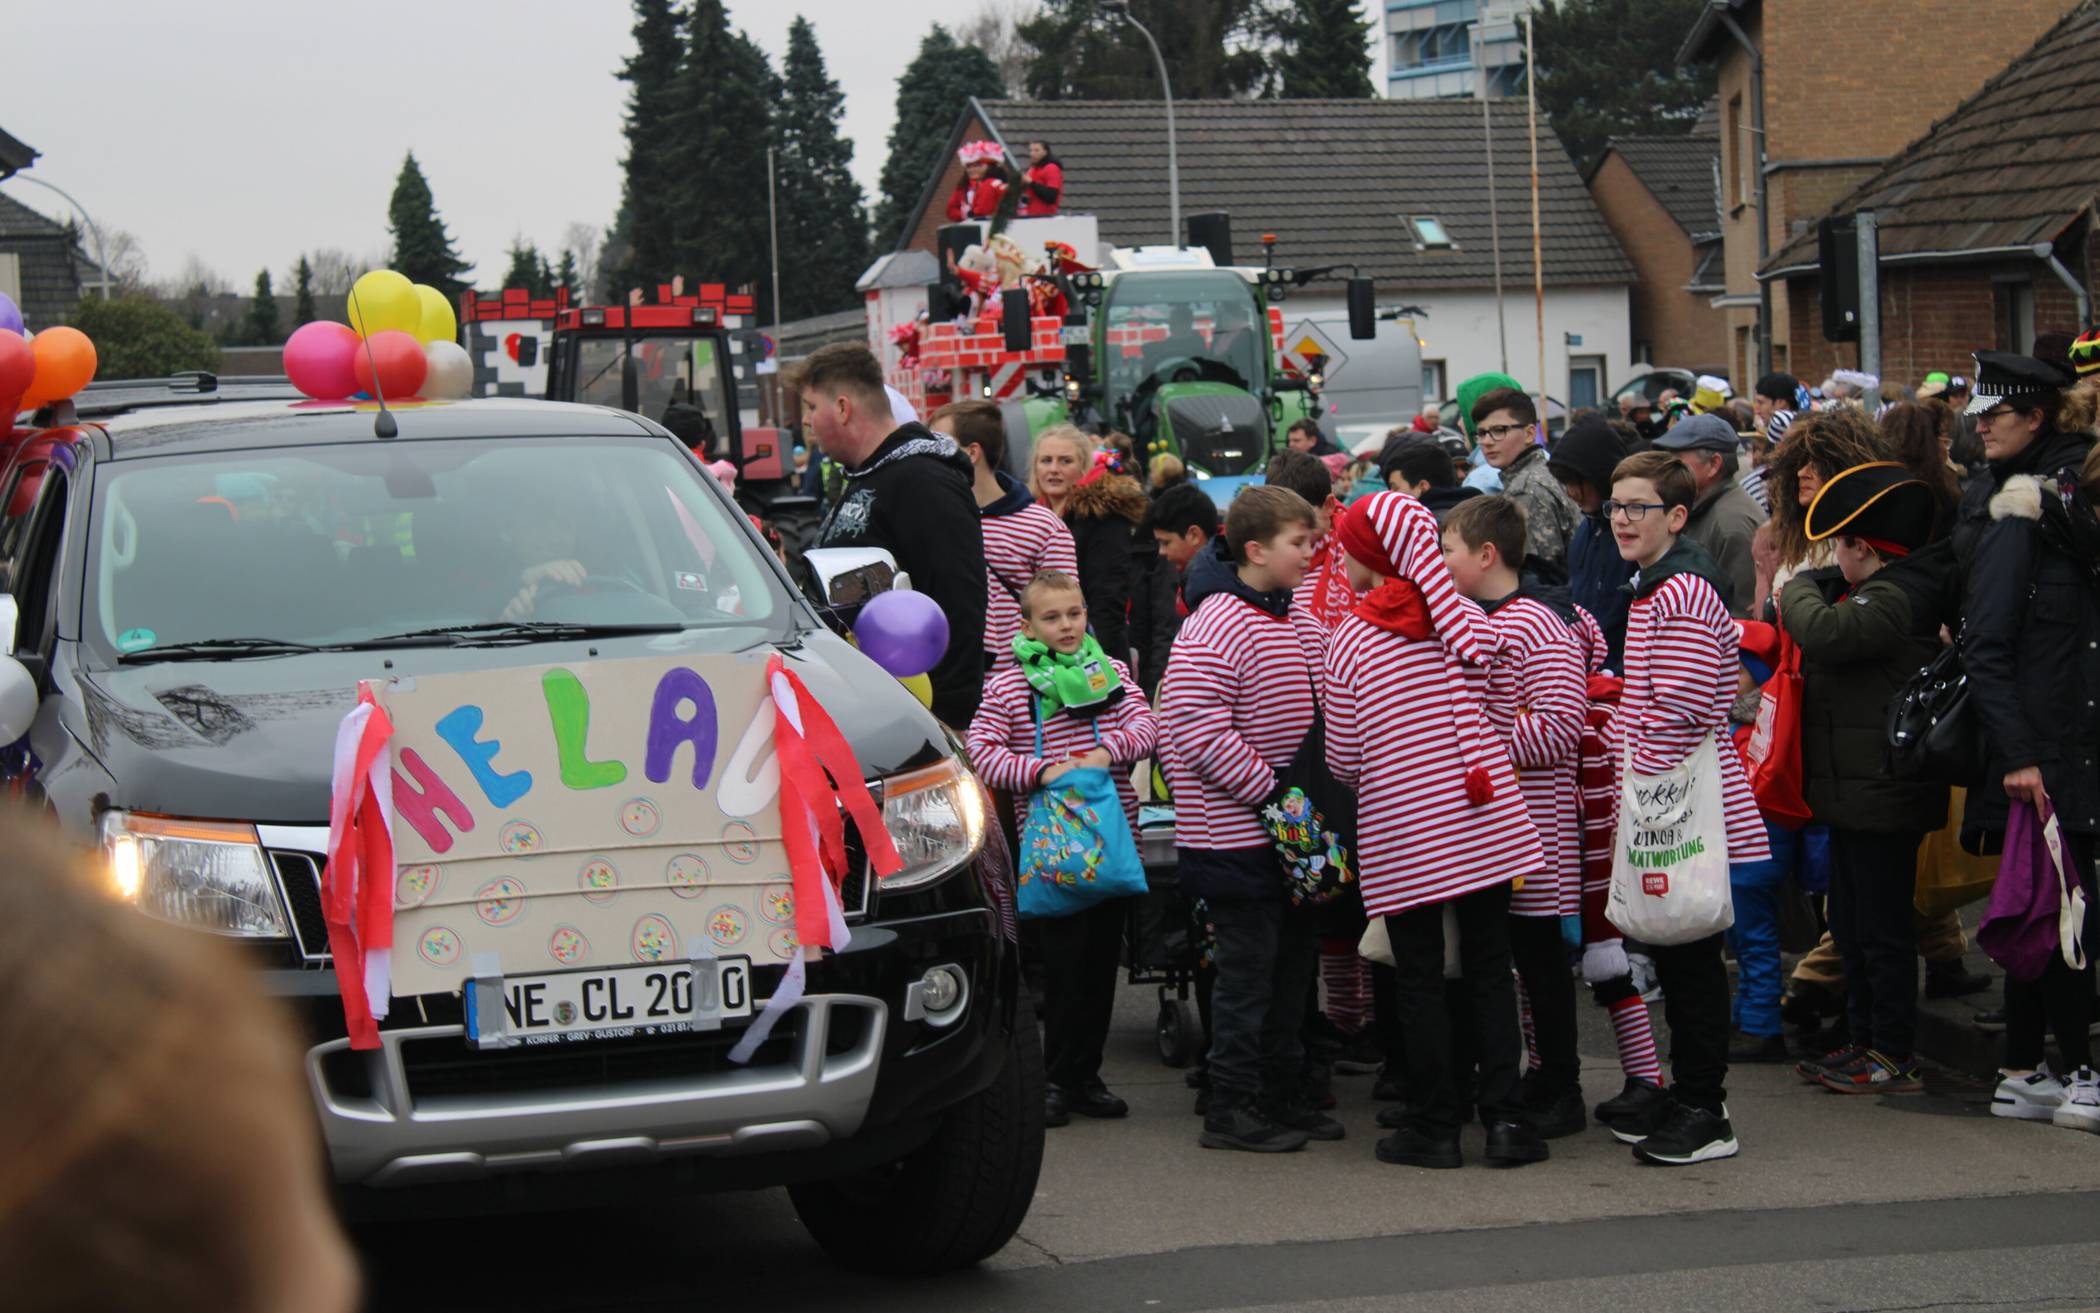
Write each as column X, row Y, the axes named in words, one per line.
column 1772, row 754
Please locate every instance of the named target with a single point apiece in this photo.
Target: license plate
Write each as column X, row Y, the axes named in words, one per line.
column 610, row 1003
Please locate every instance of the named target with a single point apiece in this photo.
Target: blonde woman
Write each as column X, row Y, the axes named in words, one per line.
column 1102, row 508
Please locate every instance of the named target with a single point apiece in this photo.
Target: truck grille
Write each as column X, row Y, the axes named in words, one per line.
column 444, row 1067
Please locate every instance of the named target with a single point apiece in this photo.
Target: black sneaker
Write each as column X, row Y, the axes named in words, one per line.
column 1362, row 1056
column 1812, row 1069
column 1393, row 1117
column 1056, row 1110
column 1556, row 1116
column 1203, row 1101
column 1991, row 1021
column 1746, row 1048
column 1953, row 979
column 1407, row 1147
column 1301, row 1116
column 1636, row 1101
column 1094, row 1100
column 1240, row 1126
column 1387, row 1088
column 1807, row 1005
column 1635, row 1126
column 1691, row 1135
column 1514, row 1144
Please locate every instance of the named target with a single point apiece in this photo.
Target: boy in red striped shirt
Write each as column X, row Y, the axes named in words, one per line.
column 1236, row 702
column 1679, row 683
column 1535, row 701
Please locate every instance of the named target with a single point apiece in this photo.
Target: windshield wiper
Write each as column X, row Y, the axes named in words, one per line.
column 519, row 631
column 206, row 648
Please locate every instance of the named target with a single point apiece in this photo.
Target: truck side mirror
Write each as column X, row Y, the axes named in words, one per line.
column 1016, row 321
column 849, row 576
column 1363, row 309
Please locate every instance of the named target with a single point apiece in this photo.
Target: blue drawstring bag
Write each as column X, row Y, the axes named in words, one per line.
column 1076, row 846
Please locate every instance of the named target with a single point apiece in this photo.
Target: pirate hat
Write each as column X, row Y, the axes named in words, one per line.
column 1881, row 502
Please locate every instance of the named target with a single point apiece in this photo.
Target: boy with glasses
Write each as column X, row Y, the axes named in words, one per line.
column 1506, row 425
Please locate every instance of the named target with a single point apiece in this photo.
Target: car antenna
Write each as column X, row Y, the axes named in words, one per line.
column 384, row 426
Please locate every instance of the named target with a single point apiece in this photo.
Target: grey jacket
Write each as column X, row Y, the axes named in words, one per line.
column 1723, row 521
column 1549, row 517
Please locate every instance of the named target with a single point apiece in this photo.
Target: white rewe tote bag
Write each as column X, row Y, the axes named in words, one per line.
column 1669, row 861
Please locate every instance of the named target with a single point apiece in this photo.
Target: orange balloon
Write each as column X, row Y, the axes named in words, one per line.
column 65, row 363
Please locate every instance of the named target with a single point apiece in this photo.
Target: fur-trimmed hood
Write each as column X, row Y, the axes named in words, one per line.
column 1109, row 496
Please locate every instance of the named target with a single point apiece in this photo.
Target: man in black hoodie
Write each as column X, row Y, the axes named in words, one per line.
column 1583, row 460
column 907, row 490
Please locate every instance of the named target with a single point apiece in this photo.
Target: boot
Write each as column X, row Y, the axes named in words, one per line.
column 1235, row 1123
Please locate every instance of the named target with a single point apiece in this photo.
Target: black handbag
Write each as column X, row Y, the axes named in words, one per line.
column 1933, row 732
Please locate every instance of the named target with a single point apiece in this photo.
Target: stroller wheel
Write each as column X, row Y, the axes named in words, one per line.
column 1180, row 1031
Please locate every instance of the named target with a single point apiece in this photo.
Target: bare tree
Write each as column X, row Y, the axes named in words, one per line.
column 335, row 269
column 584, row 241
column 995, row 29
column 127, row 261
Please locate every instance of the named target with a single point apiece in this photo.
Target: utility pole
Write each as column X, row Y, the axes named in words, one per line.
column 1538, row 265
column 94, row 229
column 1869, row 236
column 1166, row 91
column 1487, row 133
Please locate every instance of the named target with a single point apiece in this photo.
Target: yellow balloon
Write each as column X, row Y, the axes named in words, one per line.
column 921, row 688
column 439, row 324
column 384, row 301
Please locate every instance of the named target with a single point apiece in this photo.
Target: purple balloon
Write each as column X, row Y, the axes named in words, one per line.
column 903, row 632
column 11, row 316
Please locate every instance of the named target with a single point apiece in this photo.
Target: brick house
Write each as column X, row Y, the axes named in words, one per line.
column 1815, row 96
column 1986, row 222
column 1397, row 188
column 1658, row 197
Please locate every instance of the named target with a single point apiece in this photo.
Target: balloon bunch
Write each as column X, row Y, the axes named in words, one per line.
column 399, row 344
column 906, row 633
column 35, row 371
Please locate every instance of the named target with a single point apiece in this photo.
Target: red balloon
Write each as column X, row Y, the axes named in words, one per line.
column 400, row 363
column 17, row 368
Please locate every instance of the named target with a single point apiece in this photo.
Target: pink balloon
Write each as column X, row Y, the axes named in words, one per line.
column 319, row 359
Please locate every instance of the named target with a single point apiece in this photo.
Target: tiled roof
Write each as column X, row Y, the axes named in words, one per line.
column 50, row 273
column 1679, row 173
column 1334, row 179
column 2015, row 164
column 18, row 220
column 15, row 155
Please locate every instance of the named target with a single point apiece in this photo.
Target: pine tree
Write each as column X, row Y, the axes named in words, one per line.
column 566, row 276
column 1084, row 52
column 525, row 266
column 1322, row 51
column 1609, row 68
column 823, row 224
column 649, row 200
column 303, row 311
column 423, row 250
column 261, row 327
column 725, row 93
column 931, row 94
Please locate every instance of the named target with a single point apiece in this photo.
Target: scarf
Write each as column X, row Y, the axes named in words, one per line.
column 1082, row 682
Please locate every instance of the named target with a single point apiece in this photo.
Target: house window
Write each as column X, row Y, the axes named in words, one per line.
column 1432, row 380
column 1429, row 233
column 1585, row 381
column 2012, row 306
column 1735, row 146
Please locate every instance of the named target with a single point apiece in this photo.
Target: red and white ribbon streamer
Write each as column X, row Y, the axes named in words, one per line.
column 357, row 884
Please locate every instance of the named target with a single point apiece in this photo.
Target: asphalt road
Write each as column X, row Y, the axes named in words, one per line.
column 1836, row 1203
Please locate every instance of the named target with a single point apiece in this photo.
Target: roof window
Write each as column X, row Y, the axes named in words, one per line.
column 1430, row 234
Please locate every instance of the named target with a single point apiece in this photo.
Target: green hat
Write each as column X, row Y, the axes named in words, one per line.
column 1476, row 387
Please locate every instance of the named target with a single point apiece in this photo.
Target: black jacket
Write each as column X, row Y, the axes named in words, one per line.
column 1103, row 517
column 1155, row 610
column 913, row 498
column 2031, row 634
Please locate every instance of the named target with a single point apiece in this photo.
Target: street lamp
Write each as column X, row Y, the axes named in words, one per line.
column 1121, row 8
column 101, row 252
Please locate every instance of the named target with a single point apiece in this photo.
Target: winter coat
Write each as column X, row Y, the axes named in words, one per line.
column 1597, row 574
column 979, row 200
column 1858, row 647
column 1155, row 610
column 1021, row 538
column 1549, row 517
column 2031, row 634
column 1002, row 738
column 1680, row 680
column 1723, row 521
column 1236, row 702
column 1103, row 516
column 1535, row 699
column 912, row 497
column 1042, row 190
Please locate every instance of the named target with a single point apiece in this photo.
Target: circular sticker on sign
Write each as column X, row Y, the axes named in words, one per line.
column 414, row 885
column 740, row 841
column 518, row 837
column 501, row 901
column 136, row 640
column 567, row 945
column 776, row 903
column 687, row 874
column 599, row 880
column 725, row 925
column 439, row 946
column 783, row 944
column 654, row 940
column 639, row 817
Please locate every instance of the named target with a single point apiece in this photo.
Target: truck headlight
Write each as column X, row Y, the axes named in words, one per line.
column 212, row 875
column 935, row 817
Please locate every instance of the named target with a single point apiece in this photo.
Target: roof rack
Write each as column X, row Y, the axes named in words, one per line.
column 116, row 396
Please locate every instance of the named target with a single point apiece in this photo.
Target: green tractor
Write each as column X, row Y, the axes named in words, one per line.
column 1180, row 354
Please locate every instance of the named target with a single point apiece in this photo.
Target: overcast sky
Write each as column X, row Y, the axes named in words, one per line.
column 246, row 131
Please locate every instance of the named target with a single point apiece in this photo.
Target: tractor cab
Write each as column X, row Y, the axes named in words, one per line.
column 1185, row 354
column 646, row 367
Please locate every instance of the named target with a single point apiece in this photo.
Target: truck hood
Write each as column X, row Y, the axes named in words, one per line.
column 252, row 740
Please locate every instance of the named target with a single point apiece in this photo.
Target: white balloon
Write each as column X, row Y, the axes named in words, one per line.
column 451, row 374
column 18, row 699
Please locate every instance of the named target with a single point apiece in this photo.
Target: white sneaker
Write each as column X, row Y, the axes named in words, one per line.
column 2034, row 1097
column 2080, row 1109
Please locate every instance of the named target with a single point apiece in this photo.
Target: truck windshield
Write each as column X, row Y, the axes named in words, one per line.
column 668, row 368
column 345, row 544
column 1159, row 323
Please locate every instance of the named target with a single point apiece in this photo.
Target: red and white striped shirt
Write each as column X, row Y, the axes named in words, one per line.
column 1536, row 703
column 1680, row 681
column 1017, row 545
column 1002, row 740
column 1236, row 702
